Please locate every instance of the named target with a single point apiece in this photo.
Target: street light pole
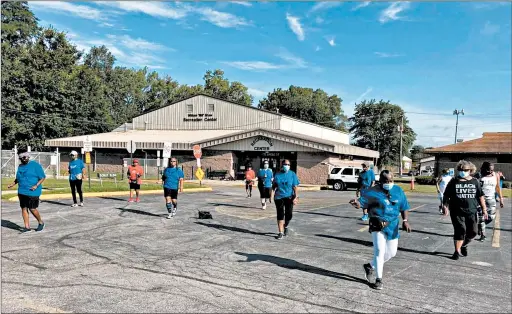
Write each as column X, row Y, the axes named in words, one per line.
column 401, row 136
column 457, row 112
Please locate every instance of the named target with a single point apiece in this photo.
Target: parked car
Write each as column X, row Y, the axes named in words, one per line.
column 343, row 177
column 427, row 173
column 413, row 173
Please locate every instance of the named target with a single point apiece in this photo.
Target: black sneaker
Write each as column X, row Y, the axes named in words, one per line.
column 40, row 227
column 368, row 271
column 456, row 255
column 279, row 236
column 378, row 285
column 464, row 251
column 482, row 238
column 286, row 232
column 26, row 230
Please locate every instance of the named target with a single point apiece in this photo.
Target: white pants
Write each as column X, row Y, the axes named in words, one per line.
column 383, row 251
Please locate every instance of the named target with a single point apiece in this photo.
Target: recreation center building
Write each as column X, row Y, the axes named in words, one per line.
column 231, row 136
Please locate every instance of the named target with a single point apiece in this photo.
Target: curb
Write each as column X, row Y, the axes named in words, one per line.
column 114, row 193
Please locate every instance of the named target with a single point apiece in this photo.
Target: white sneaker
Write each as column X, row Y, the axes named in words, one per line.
column 74, row 205
column 82, row 204
column 169, row 216
column 264, row 207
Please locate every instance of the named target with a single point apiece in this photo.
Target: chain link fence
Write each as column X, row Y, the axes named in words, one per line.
column 10, row 162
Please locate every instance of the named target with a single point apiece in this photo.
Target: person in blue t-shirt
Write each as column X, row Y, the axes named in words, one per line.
column 76, row 170
column 172, row 179
column 365, row 181
column 285, row 196
column 265, row 177
column 29, row 177
column 385, row 202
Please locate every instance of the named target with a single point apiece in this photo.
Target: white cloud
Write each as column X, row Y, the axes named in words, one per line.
column 319, row 20
column 253, row 65
column 388, row 55
column 361, row 5
column 317, row 48
column 82, row 11
column 489, row 5
column 490, row 29
column 137, row 43
column 256, row 92
column 392, row 11
column 244, row 3
column 295, row 26
column 290, row 62
column 331, row 42
column 221, row 19
column 363, row 95
column 324, row 5
column 156, row 9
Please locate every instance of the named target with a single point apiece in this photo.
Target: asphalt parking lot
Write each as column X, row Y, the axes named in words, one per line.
column 111, row 256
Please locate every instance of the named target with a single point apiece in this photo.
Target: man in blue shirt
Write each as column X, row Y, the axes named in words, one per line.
column 285, row 196
column 265, row 177
column 365, row 181
column 29, row 177
column 386, row 202
column 172, row 179
column 76, row 171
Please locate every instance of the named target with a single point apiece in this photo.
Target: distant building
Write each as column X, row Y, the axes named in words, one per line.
column 231, row 137
column 427, row 164
column 495, row 147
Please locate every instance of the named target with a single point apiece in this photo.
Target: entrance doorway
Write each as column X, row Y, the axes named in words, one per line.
column 256, row 160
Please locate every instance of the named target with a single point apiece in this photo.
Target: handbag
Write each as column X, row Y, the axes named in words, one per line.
column 376, row 225
column 78, row 176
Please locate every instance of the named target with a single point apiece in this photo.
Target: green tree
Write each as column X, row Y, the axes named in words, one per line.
column 375, row 125
column 217, row 86
column 19, row 25
column 417, row 152
column 315, row 106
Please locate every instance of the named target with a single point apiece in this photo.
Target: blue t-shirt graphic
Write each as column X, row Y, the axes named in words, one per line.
column 386, row 207
column 366, row 178
column 75, row 167
column 27, row 176
column 171, row 177
column 285, row 182
column 267, row 181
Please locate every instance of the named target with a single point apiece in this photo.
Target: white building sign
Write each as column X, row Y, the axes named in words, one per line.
column 262, row 143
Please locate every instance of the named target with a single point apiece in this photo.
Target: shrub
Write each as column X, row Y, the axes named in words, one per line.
column 426, row 180
column 507, row 184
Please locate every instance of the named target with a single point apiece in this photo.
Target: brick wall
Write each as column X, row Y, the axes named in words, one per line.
column 310, row 169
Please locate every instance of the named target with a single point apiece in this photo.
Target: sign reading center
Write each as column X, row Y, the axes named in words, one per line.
column 262, row 143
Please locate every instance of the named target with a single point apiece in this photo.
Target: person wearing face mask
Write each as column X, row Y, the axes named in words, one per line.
column 173, row 183
column 462, row 197
column 76, row 171
column 265, row 177
column 441, row 183
column 489, row 181
column 365, row 181
column 29, row 177
column 285, row 197
column 385, row 202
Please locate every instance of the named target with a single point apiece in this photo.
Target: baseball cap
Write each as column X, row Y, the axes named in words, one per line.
column 366, row 164
column 135, row 161
column 74, row 153
column 24, row 155
column 265, row 162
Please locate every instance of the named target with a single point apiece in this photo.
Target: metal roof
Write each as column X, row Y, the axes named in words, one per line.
column 489, row 143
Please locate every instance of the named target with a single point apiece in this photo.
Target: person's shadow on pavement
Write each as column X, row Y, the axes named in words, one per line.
column 293, row 264
column 11, row 225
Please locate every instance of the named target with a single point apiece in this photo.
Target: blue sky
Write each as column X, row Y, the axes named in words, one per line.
column 428, row 57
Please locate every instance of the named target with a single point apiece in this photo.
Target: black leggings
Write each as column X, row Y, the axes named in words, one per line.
column 284, row 207
column 76, row 185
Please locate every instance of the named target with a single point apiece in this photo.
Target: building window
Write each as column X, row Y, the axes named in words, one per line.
column 190, row 108
column 211, row 107
column 504, row 159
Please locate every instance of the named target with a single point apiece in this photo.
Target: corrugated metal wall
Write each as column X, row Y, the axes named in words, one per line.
column 198, row 111
column 301, row 127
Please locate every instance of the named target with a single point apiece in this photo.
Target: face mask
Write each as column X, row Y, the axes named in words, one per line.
column 286, row 168
column 24, row 161
column 265, row 166
column 387, row 186
column 463, row 174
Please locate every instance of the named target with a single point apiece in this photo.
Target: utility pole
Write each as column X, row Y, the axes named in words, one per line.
column 457, row 112
column 401, row 129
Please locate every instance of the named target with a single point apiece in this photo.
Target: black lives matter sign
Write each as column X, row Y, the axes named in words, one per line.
column 465, row 190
